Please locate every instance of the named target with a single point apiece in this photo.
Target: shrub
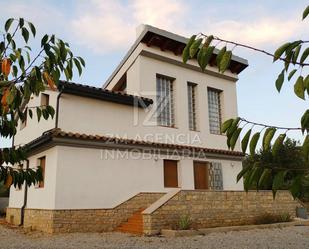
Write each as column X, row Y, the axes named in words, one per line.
column 273, row 218
column 184, row 222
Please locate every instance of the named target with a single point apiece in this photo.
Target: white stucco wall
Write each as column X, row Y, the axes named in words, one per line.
column 34, row 128
column 39, row 197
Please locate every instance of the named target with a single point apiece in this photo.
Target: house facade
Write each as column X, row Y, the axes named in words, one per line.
column 154, row 127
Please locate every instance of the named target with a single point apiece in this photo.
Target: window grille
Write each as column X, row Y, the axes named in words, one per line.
column 215, row 176
column 192, row 106
column 214, row 111
column 165, row 101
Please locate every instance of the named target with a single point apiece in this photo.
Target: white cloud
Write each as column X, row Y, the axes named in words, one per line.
column 106, row 26
column 109, row 25
column 261, row 32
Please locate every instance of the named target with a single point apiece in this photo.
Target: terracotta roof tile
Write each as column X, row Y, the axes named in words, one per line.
column 60, row 133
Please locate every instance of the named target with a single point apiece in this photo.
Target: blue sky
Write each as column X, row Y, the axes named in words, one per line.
column 102, row 31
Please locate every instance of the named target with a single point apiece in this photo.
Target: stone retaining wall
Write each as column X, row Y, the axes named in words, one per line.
column 82, row 220
column 217, row 208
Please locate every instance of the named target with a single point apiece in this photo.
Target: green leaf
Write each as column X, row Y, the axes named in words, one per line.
column 234, row 138
column 44, row 40
column 305, row 148
column 306, row 83
column 25, row 34
column 50, row 110
column 281, row 50
column 268, row 136
column 291, row 74
column 81, row 61
column 79, row 68
column 204, row 56
column 253, row 142
column 21, row 22
column 279, row 180
column 38, row 113
column 306, row 12
column 243, row 172
column 245, row 141
column 8, row 24
column 295, row 54
column 299, row 88
column 305, row 121
column 278, row 144
column 225, row 62
column 304, row 55
column 30, row 113
column 220, row 56
column 195, row 47
column 265, row 177
column 32, row 28
column 280, row 81
column 186, row 50
column 233, row 126
column 226, row 125
column 208, row 41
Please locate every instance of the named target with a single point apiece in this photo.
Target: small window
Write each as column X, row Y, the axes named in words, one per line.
column 170, row 174
column 165, row 101
column 214, row 110
column 192, row 106
column 44, row 99
column 42, row 162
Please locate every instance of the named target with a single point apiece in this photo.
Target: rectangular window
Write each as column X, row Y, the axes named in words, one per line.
column 44, row 99
column 42, row 162
column 170, row 174
column 215, row 176
column 192, row 106
column 165, row 101
column 214, row 110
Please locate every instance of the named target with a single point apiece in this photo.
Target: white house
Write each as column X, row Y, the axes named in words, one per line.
column 153, row 127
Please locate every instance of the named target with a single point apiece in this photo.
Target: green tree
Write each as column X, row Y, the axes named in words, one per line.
column 295, row 58
column 23, row 74
column 290, row 160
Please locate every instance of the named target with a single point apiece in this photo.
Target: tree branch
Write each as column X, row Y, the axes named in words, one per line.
column 256, row 49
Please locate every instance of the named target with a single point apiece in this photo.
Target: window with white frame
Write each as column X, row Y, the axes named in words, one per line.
column 214, row 110
column 192, row 106
column 165, row 101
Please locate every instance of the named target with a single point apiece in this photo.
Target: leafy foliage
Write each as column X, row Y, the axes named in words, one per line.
column 285, row 169
column 295, row 58
column 22, row 75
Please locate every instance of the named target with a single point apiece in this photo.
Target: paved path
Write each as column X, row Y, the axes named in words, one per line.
column 290, row 237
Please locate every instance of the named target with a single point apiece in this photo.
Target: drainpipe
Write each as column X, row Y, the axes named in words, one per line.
column 22, row 215
column 57, row 106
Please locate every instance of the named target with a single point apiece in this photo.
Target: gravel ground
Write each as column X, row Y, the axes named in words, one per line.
column 290, row 237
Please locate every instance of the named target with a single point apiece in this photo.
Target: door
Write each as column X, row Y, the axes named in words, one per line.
column 170, row 174
column 200, row 175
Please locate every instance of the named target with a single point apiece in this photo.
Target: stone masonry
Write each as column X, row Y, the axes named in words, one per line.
column 218, row 208
column 81, row 220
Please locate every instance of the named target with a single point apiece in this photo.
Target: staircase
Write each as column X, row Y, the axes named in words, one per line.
column 133, row 225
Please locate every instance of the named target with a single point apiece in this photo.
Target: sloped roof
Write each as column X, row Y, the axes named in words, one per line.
column 108, row 140
column 103, row 94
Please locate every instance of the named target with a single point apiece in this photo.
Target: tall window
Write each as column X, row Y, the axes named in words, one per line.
column 165, row 105
column 214, row 110
column 42, row 162
column 192, row 106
